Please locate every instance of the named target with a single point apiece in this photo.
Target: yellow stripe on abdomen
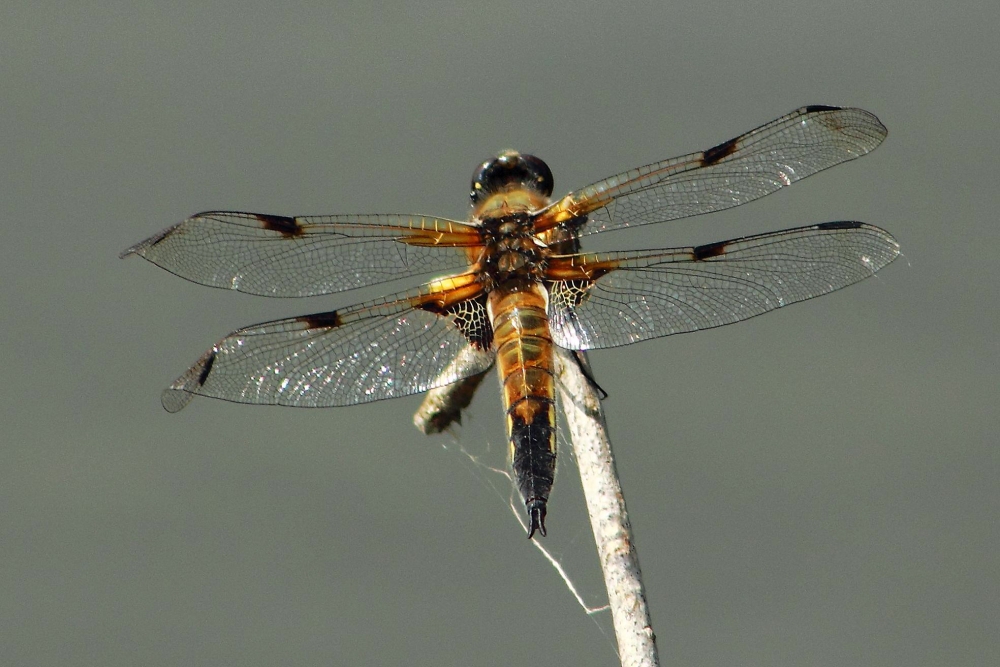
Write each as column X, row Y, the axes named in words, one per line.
column 525, row 365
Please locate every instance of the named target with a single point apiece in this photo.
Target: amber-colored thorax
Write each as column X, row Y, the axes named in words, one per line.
column 508, row 202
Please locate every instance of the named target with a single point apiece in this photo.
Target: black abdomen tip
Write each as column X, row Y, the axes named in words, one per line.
column 536, row 517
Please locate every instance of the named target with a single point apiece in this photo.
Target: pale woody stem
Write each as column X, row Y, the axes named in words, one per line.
column 588, row 434
column 608, row 518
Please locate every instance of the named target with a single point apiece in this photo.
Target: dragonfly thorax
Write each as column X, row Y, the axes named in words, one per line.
column 512, row 254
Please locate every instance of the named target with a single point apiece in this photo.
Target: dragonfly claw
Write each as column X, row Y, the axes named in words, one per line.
column 536, row 517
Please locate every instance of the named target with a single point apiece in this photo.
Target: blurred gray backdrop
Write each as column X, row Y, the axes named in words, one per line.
column 814, row 487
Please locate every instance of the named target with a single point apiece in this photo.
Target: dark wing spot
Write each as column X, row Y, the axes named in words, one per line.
column 206, row 369
column 600, row 272
column 812, row 108
column 326, row 320
column 717, row 153
column 432, row 306
column 843, row 224
column 280, row 223
column 702, row 252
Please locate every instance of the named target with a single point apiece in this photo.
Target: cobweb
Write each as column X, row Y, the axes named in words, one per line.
column 569, row 546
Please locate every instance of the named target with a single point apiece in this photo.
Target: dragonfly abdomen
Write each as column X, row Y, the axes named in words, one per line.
column 525, row 365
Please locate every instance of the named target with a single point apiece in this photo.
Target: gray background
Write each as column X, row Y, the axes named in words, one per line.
column 818, row 486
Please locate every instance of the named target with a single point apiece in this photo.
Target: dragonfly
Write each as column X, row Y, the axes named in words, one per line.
column 512, row 281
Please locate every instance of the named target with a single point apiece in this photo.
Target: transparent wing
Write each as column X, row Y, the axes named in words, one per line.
column 735, row 172
column 382, row 349
column 273, row 255
column 622, row 298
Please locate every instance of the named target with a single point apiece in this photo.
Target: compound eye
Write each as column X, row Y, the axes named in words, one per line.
column 480, row 177
column 510, row 169
column 539, row 174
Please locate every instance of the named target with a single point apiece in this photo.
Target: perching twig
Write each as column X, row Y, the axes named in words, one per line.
column 588, row 434
column 608, row 518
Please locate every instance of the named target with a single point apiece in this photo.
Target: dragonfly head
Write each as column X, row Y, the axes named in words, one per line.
column 510, row 183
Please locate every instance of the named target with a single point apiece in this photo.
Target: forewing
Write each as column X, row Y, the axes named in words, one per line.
column 735, row 172
column 273, row 255
column 382, row 349
column 616, row 299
